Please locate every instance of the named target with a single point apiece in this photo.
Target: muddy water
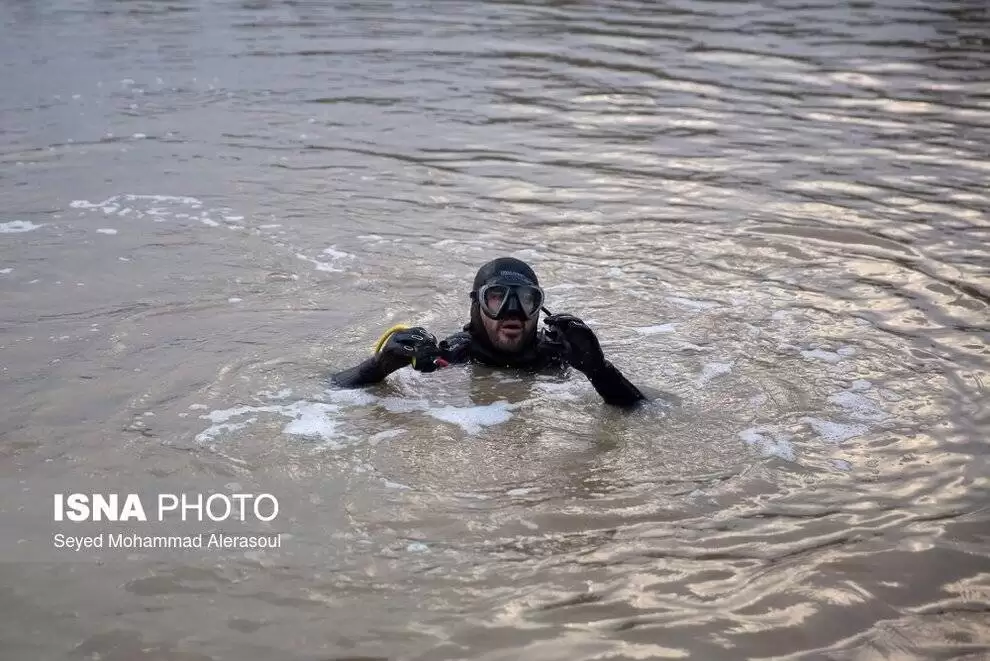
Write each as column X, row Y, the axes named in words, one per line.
column 773, row 214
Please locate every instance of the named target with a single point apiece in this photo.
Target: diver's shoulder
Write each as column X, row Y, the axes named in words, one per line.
column 550, row 350
column 457, row 346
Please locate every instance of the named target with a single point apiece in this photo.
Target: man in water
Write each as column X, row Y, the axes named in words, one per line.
column 506, row 300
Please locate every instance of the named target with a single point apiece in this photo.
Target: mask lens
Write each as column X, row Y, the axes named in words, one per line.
column 493, row 297
column 530, row 298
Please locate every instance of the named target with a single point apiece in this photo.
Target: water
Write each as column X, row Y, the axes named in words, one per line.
column 773, row 213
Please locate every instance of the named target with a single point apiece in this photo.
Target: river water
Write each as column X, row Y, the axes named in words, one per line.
column 774, row 215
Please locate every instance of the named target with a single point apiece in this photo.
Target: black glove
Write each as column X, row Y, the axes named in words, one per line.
column 581, row 347
column 409, row 346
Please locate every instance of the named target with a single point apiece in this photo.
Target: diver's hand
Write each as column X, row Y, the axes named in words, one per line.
column 409, row 346
column 581, row 346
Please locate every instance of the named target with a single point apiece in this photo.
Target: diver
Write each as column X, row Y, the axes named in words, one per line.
column 506, row 300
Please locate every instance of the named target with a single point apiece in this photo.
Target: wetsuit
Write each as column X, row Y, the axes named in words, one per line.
column 541, row 355
column 542, row 350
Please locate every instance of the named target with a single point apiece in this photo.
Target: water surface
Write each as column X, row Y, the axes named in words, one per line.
column 775, row 213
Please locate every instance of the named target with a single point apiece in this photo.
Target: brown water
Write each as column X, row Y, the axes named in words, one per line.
column 775, row 213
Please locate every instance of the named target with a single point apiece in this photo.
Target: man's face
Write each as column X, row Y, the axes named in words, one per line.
column 509, row 335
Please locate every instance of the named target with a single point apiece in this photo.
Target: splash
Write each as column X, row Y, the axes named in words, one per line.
column 769, row 442
column 656, row 330
column 321, row 420
column 712, row 370
column 17, row 226
column 473, row 418
column 835, row 432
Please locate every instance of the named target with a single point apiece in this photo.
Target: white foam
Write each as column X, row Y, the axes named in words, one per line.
column 318, row 419
column 333, row 253
column 281, row 394
column 526, row 253
column 688, row 346
column 402, row 405
column 417, row 547
column 213, row 431
column 521, row 491
column 312, row 419
column 565, row 391
column 395, row 485
column 821, row 354
column 327, row 267
column 106, row 230
column 269, row 226
column 655, row 330
column 320, row 266
column 768, row 442
column 353, row 397
column 17, row 226
column 385, row 435
column 223, row 415
column 472, row 496
column 835, row 432
column 115, row 200
column 712, row 370
column 692, row 303
column 160, row 208
column 472, row 418
column 858, row 407
column 829, row 356
column 6, row 271
column 234, row 299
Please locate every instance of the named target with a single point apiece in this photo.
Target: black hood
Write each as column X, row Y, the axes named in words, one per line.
column 504, row 266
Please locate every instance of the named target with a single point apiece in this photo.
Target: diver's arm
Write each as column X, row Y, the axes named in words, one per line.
column 398, row 347
column 614, row 388
column 367, row 372
column 583, row 351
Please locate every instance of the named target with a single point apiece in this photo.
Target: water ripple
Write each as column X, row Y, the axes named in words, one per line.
column 774, row 215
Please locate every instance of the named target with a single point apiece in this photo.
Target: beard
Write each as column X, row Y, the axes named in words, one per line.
column 486, row 333
column 511, row 335
column 510, row 344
